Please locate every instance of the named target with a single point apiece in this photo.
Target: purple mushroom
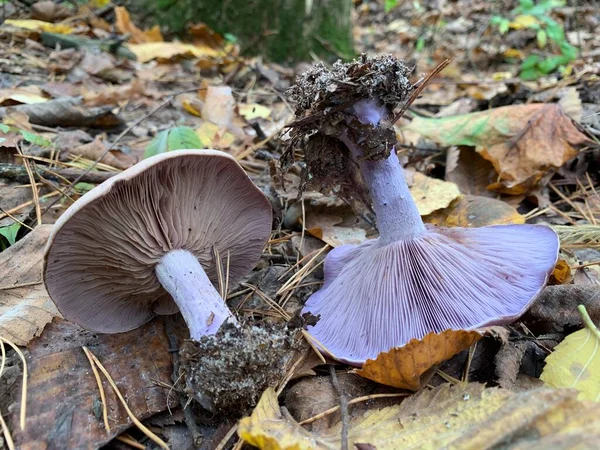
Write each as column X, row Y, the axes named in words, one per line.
column 415, row 278
column 142, row 242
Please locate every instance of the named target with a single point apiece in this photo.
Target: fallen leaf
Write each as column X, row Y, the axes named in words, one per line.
column 177, row 138
column 167, row 50
column 561, row 273
column 556, row 307
column 26, row 96
column 114, row 95
column 474, row 211
column 212, row 136
column 97, row 63
column 250, row 111
column 508, row 362
column 125, row 26
column 97, row 148
column 327, row 228
column 218, row 106
column 402, row 367
column 48, row 11
column 431, row 194
column 523, row 142
column 465, row 416
column 469, row 171
column 39, row 25
column 25, row 311
column 575, row 362
column 63, row 402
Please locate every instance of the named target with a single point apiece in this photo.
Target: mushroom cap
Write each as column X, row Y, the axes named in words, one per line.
column 377, row 297
column 99, row 265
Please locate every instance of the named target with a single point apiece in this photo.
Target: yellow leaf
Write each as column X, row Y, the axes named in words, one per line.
column 575, row 362
column 99, row 3
column 214, row 137
column 455, row 417
column 561, row 273
column 475, row 211
column 402, row 367
column 166, row 50
column 431, row 194
column 26, row 95
column 126, row 26
column 251, row 111
column 190, row 106
column 524, row 21
column 39, row 25
column 513, row 53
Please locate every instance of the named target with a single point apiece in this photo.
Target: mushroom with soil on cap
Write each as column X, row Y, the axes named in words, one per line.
column 415, row 278
column 141, row 244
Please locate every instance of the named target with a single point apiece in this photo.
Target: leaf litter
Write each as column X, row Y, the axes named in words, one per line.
column 484, row 147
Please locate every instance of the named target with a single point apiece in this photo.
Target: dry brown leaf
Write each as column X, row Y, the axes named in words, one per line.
column 167, row 50
column 125, row 26
column 403, row 367
column 25, row 311
column 465, row 416
column 114, row 158
column 28, row 95
column 474, row 211
column 469, row 171
column 63, row 404
column 328, row 228
column 113, row 95
column 431, row 194
column 523, row 142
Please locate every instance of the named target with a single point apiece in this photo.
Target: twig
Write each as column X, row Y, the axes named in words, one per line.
column 16, row 286
column 343, row 407
column 226, row 438
column 34, row 191
column 130, row 441
column 364, row 398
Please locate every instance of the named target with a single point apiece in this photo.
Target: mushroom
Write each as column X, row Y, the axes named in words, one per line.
column 142, row 242
column 414, row 278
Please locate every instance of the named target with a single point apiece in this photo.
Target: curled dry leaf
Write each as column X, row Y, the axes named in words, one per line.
column 475, row 211
column 25, row 311
column 561, row 273
column 431, row 194
column 406, row 367
column 462, row 416
column 575, row 362
column 523, row 142
column 166, row 50
column 95, row 149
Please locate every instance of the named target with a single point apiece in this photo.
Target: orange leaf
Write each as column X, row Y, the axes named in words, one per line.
column 402, row 367
column 561, row 273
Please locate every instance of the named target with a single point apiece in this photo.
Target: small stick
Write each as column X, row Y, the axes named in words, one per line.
column 100, row 388
column 364, row 398
column 226, row 438
column 16, row 286
column 343, row 408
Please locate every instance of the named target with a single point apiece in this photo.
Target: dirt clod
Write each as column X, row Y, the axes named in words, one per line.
column 227, row 372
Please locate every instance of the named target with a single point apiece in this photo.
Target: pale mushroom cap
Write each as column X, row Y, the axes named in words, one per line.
column 377, row 297
column 101, row 256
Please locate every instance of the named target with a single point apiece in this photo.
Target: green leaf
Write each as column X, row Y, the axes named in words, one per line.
column 174, row 139
column 390, row 4
column 420, row 45
column 10, row 233
column 530, row 62
column 4, row 128
column 467, row 129
column 530, row 74
column 35, row 139
column 554, row 30
column 82, row 187
column 542, row 38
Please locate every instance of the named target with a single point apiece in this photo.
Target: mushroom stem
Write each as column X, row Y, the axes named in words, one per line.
column 200, row 304
column 397, row 214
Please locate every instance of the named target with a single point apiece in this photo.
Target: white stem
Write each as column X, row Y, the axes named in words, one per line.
column 200, row 304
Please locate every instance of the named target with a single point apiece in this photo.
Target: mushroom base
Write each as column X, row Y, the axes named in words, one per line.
column 201, row 306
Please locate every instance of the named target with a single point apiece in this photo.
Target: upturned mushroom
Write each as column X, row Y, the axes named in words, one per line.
column 414, row 278
column 141, row 244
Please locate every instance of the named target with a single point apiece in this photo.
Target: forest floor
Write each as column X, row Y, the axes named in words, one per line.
column 507, row 133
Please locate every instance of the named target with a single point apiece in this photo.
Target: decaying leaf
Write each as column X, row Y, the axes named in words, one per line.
column 25, row 95
column 24, row 311
column 475, row 211
column 523, row 142
column 459, row 417
column 329, row 228
column 403, row 367
column 251, row 111
column 561, row 273
column 469, row 171
column 64, row 408
column 431, row 194
column 575, row 362
column 39, row 25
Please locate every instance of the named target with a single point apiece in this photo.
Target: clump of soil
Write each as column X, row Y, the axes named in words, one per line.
column 227, row 372
column 323, row 100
